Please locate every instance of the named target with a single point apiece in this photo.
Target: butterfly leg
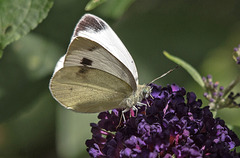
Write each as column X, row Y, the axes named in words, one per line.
column 147, row 103
column 143, row 104
column 134, row 108
column 123, row 114
column 122, row 117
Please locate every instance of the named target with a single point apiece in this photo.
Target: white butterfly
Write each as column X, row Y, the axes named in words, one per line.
column 97, row 73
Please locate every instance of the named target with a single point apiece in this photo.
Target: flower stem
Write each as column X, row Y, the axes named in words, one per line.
column 231, row 86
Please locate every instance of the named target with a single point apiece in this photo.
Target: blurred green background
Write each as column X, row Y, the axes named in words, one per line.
column 33, row 124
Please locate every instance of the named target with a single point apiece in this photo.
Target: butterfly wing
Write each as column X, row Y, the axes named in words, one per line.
column 97, row 73
column 85, row 89
column 95, row 29
column 84, row 52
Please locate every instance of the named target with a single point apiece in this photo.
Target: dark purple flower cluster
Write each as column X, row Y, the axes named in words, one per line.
column 173, row 125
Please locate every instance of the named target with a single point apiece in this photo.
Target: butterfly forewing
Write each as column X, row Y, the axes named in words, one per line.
column 97, row 30
column 84, row 52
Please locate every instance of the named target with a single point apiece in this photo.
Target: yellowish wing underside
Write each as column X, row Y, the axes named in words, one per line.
column 85, row 89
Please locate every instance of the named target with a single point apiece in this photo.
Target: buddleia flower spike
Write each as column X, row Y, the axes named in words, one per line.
column 174, row 125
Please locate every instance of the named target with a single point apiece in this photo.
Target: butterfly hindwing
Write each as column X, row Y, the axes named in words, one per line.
column 85, row 89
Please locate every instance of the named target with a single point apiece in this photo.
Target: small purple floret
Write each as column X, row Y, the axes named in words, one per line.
column 238, row 60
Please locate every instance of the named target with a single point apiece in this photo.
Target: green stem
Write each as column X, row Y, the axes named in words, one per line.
column 231, row 86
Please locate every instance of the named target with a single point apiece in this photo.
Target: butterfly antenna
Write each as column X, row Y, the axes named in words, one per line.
column 169, row 71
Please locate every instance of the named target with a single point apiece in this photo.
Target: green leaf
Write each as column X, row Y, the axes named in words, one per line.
column 93, row 4
column 18, row 17
column 193, row 72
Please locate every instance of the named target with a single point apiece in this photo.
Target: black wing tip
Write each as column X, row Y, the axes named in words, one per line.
column 90, row 22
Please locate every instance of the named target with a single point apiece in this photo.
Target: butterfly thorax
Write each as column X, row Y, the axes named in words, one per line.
column 143, row 91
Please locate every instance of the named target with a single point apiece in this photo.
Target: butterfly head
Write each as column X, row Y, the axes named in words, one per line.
column 143, row 91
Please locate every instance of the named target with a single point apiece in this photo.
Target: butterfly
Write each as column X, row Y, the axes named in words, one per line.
column 97, row 73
